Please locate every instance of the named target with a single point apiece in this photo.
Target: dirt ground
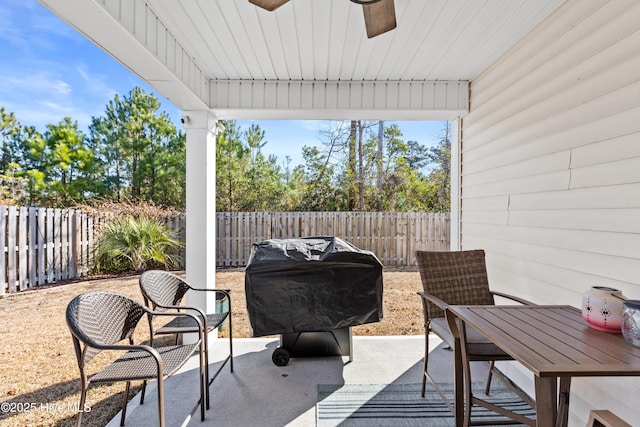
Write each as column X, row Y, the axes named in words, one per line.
column 39, row 377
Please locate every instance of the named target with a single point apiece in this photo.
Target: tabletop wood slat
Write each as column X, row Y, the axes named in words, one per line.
column 534, row 332
column 571, row 340
column 553, row 340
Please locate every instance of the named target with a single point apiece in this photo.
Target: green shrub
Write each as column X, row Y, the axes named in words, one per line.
column 135, row 243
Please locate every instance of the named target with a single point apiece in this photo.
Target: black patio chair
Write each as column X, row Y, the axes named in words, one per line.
column 100, row 320
column 163, row 291
column 460, row 278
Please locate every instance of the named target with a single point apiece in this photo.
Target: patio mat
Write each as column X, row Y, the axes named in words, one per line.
column 401, row 405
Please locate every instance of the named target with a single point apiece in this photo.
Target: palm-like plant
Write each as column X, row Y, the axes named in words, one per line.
column 136, row 243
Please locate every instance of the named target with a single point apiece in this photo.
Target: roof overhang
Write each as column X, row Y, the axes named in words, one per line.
column 308, row 59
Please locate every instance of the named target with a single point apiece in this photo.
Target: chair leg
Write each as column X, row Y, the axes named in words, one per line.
column 83, row 398
column 204, row 387
column 206, row 368
column 142, row 393
column 468, row 392
column 462, row 371
column 230, row 341
column 426, row 361
column 459, row 384
column 160, row 401
column 125, row 399
column 489, row 376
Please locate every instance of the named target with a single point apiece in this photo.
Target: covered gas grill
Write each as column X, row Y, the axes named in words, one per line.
column 311, row 291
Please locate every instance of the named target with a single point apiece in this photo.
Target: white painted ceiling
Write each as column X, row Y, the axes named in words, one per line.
column 326, row 40
column 186, row 48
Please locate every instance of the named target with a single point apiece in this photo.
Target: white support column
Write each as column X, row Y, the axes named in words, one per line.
column 201, row 206
column 456, row 181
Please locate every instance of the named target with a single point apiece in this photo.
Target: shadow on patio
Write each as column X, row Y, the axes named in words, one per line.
column 261, row 393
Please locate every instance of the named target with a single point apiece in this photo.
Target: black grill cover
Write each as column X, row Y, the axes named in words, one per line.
column 311, row 284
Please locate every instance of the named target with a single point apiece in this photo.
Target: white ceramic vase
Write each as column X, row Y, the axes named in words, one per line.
column 602, row 308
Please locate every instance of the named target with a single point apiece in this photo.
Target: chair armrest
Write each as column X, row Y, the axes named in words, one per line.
column 512, row 297
column 179, row 309
column 226, row 292
column 129, row 347
column 435, row 300
column 200, row 319
column 182, row 314
column 137, row 347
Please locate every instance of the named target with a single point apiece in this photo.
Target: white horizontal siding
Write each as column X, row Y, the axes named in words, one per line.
column 532, row 167
column 597, row 265
column 500, row 202
column 613, row 197
column 618, row 220
column 560, row 43
column 596, row 242
column 539, row 141
column 621, row 147
column 550, row 181
column 621, row 172
column 527, row 184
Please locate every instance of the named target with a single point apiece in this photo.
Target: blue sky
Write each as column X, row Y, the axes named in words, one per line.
column 48, row 71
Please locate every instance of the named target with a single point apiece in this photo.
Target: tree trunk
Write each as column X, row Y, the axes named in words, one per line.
column 118, row 177
column 360, row 166
column 352, row 192
column 379, row 166
column 230, row 188
column 135, row 181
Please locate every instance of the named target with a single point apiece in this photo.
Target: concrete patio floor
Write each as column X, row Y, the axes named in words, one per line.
column 259, row 393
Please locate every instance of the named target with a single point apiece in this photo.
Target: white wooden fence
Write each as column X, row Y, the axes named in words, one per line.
column 393, row 237
column 42, row 246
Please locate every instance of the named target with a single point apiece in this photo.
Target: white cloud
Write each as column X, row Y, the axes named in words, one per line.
column 96, row 83
column 312, row 125
column 37, row 82
column 53, row 106
column 39, row 98
column 40, row 113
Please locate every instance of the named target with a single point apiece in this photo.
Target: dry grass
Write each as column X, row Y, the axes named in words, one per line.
column 37, row 362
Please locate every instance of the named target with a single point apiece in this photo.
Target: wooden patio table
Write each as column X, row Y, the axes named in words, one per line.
column 554, row 342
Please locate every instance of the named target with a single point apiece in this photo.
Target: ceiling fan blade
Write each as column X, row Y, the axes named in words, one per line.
column 269, row 5
column 379, row 17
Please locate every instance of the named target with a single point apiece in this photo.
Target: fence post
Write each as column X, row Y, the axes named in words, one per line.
column 23, row 261
column 74, row 226
column 3, row 243
column 33, row 256
column 11, row 248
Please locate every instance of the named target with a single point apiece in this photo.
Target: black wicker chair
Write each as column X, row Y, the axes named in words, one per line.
column 460, row 278
column 100, row 320
column 163, row 291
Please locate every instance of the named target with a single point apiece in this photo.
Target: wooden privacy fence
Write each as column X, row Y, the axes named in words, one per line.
column 43, row 245
column 393, row 237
